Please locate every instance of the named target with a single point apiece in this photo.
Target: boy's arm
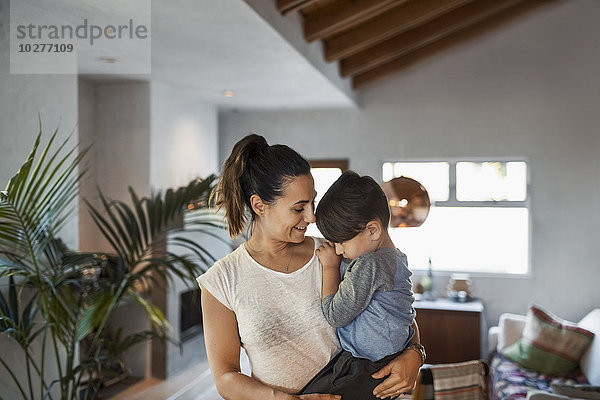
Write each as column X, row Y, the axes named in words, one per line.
column 331, row 269
column 353, row 295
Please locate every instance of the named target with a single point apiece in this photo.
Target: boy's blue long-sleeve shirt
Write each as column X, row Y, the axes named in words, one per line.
column 373, row 307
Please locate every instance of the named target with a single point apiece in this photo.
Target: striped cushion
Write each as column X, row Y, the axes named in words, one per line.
column 549, row 344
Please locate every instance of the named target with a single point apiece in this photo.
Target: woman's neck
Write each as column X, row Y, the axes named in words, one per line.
column 260, row 242
column 278, row 255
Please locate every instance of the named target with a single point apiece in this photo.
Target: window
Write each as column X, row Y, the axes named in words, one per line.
column 325, row 173
column 479, row 219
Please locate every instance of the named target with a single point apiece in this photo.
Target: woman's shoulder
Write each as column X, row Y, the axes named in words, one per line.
column 311, row 244
column 317, row 241
column 221, row 279
column 234, row 257
column 227, row 264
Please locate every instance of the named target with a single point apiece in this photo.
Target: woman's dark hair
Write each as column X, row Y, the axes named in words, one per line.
column 349, row 204
column 254, row 167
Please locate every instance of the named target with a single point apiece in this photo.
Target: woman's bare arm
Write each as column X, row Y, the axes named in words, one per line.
column 223, row 349
column 402, row 371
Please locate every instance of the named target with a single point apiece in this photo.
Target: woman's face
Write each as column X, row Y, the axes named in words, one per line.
column 286, row 219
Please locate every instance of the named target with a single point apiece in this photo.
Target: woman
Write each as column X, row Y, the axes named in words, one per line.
column 265, row 295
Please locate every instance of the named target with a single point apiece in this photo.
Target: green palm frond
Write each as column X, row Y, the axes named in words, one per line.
column 47, row 297
column 117, row 345
column 17, row 320
column 93, row 313
column 37, row 203
column 136, row 231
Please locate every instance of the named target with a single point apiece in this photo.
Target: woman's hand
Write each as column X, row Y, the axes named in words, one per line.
column 401, row 375
column 328, row 257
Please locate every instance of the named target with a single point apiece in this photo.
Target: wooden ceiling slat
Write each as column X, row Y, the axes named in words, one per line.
column 422, row 36
column 395, row 21
column 343, row 14
column 394, row 66
column 320, row 6
column 288, row 6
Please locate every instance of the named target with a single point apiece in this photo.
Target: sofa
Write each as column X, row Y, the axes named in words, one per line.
column 510, row 380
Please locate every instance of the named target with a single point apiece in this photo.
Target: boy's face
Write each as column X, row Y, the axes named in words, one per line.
column 357, row 246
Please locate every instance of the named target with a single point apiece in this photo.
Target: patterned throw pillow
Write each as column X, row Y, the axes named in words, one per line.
column 549, row 344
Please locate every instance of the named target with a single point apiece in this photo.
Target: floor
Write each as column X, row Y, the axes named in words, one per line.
column 194, row 384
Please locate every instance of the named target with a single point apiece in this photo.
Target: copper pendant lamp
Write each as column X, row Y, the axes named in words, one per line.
column 408, row 200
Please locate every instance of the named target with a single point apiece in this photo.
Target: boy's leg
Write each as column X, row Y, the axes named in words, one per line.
column 347, row 376
column 353, row 379
column 321, row 382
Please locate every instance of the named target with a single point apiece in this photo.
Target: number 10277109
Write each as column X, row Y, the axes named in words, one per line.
column 45, row 48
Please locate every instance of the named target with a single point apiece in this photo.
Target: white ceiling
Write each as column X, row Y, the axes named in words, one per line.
column 207, row 46
column 216, row 45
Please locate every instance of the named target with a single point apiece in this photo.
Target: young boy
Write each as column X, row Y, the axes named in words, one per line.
column 371, row 307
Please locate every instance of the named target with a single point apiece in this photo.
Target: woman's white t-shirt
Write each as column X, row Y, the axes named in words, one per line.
column 279, row 317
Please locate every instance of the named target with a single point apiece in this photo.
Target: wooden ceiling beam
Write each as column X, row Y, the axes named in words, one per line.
column 288, row 6
column 422, row 36
column 399, row 64
column 343, row 14
column 397, row 20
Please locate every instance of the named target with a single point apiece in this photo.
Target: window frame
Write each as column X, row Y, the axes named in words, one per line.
column 339, row 163
column 454, row 202
column 330, row 163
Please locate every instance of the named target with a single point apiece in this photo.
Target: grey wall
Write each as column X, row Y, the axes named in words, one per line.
column 114, row 118
column 22, row 98
column 531, row 89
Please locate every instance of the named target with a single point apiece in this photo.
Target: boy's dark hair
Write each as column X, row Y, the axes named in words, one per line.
column 349, row 204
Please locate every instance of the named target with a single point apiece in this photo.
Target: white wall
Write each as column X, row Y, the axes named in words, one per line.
column 184, row 137
column 183, row 146
column 530, row 88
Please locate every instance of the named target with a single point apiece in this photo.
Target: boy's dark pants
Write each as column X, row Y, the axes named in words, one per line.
column 348, row 376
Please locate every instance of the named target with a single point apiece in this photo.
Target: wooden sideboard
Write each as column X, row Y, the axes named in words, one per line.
column 450, row 331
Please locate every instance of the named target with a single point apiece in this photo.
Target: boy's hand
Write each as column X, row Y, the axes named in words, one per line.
column 328, row 257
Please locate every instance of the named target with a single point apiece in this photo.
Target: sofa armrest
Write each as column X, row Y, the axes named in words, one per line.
column 590, row 362
column 493, row 333
column 510, row 329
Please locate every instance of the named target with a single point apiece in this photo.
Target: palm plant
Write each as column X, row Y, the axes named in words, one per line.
column 47, row 301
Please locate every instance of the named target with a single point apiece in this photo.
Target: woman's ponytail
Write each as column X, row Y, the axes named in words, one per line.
column 229, row 193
